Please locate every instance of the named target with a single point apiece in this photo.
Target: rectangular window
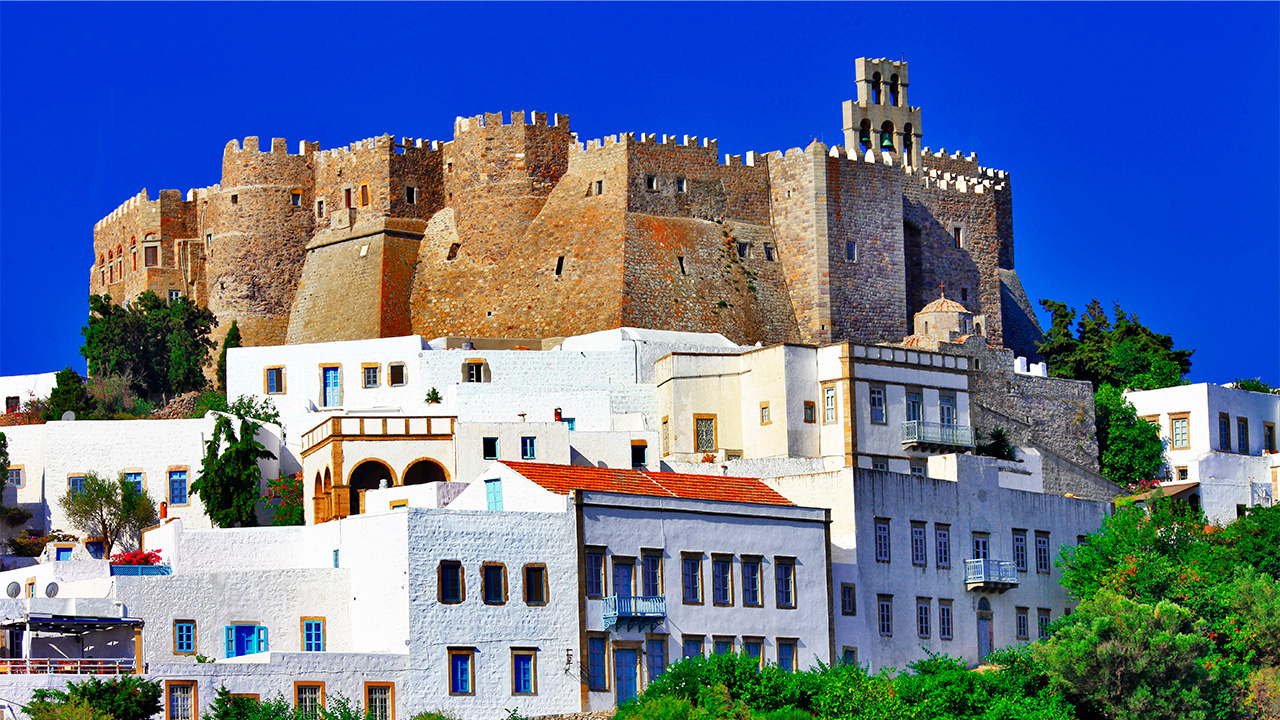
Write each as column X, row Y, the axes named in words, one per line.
column 848, row 599
column 63, row 553
column 768, row 252
column 882, row 540
column 651, row 183
column 1023, row 625
column 785, row 577
column 1020, row 550
column 595, row 574
column 599, row 187
column 744, row 250
column 1242, row 435
column 313, row 635
column 1269, row 437
column 639, row 455
column 1180, row 432
column 918, row 469
column 452, row 589
column 493, row 495
column 944, row 619
column 919, row 545
column 524, row 672
column 180, row 697
column 184, row 637
column 494, row 580
column 704, row 432
column 462, row 671
column 958, row 235
column 1042, row 622
column 691, row 579
column 656, row 656
column 787, row 655
column 721, row 581
column 175, row 295
column 372, row 376
column 884, row 613
column 135, row 479
column 913, row 407
column 364, row 196
column 1224, row 432
column 395, row 374
column 151, row 255
column 651, row 575
column 753, row 648
column 693, row 646
column 849, row 656
column 722, row 646
column 319, row 208
column 528, row 448
column 15, row 477
column 764, row 413
column 947, row 409
column 851, row 251
column 624, row 576
column 877, row 406
column 11, row 404
column 535, row 584
column 177, row 487
column 923, row 613
column 275, row 381
column 682, row 185
column 943, row 535
column 828, row 404
column 308, row 698
column 411, row 194
column 330, row 384
column 475, row 372
column 489, row 448
column 597, row 678
column 295, row 199
column 751, row 582
column 881, row 464
column 1043, row 563
column 810, row 412
column 380, row 701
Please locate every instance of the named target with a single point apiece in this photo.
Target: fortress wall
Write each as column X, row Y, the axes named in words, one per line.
column 799, row 225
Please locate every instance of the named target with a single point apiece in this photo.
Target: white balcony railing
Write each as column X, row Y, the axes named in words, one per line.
column 919, row 431
column 985, row 572
column 634, row 608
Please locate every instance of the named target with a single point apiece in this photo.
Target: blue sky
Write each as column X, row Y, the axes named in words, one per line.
column 1143, row 139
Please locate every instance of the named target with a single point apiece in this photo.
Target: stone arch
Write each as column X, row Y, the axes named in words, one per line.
column 864, row 134
column 886, row 136
column 424, row 470
column 367, row 475
column 319, row 486
column 893, row 89
column 875, row 89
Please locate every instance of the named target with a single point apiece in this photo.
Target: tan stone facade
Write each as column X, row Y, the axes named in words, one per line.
column 515, row 228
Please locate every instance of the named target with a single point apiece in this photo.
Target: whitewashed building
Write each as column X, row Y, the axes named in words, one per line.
column 1220, row 443
column 18, row 390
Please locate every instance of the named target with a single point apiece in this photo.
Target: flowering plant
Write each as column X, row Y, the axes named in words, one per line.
column 136, row 557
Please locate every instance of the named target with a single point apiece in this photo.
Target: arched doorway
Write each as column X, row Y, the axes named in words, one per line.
column 368, row 475
column 424, row 471
column 984, row 629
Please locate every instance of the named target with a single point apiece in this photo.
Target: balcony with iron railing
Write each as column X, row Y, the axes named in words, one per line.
column 919, row 432
column 634, row 610
column 66, row 666
column 990, row 575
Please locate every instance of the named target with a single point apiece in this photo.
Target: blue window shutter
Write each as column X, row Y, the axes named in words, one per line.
column 262, row 639
column 231, row 642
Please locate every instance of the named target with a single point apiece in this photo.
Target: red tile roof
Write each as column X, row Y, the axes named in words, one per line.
column 564, row 479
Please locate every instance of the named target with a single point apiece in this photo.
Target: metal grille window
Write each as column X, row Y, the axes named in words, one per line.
column 944, row 619
column 1042, row 552
column 919, row 551
column 943, row 535
column 785, row 574
column 885, row 614
column 722, row 581
column 877, row 406
column 377, row 702
column 751, row 583
column 705, row 434
column 1020, row 550
column 882, row 540
column 309, row 700
column 922, row 617
column 182, row 701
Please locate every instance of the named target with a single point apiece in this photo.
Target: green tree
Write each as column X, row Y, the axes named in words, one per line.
column 1129, row 448
column 230, row 481
column 232, row 340
column 111, row 509
column 1132, row 660
column 1124, row 353
column 1255, row 538
column 128, row 697
column 1256, row 385
column 68, row 393
column 162, row 347
column 998, row 445
column 226, row 706
column 68, row 710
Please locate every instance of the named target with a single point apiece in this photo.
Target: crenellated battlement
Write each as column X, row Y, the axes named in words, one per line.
column 689, row 142
column 384, row 144
column 462, row 125
column 123, row 209
column 279, row 146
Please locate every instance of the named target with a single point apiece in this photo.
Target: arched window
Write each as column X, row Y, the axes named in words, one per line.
column 984, row 605
column 908, row 141
column 886, row 136
column 893, row 89
column 875, row 89
column 864, row 134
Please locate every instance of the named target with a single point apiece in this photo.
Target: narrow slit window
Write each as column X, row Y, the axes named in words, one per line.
column 680, row 261
column 559, row 265
column 453, row 251
column 364, row 196
column 296, row 199
column 651, row 183
column 411, row 195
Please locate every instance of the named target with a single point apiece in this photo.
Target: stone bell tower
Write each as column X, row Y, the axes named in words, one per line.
column 881, row 120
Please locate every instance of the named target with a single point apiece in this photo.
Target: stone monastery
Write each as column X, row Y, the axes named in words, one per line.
column 566, row 413
column 516, row 228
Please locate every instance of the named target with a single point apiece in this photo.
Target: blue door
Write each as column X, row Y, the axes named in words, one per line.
column 622, row 578
column 331, row 388
column 624, row 663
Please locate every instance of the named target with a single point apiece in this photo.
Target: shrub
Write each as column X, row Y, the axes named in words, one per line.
column 127, row 697
column 14, row 516
column 28, row 544
column 137, row 557
column 69, row 710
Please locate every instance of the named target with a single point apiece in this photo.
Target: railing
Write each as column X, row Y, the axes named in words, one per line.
column 990, row 571
column 66, row 666
column 634, row 608
column 137, row 570
column 919, row 431
column 378, row 426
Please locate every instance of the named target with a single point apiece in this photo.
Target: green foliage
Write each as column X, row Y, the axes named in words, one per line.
column 435, row 715
column 4, row 462
column 28, row 544
column 1017, row 688
column 245, row 406
column 127, row 697
column 230, row 481
column 998, row 446
column 113, row 398
column 285, row 496
column 1129, row 448
column 1255, row 538
column 14, row 516
column 433, row 396
column 111, row 509
column 225, row 706
column 68, row 394
column 69, row 710
column 1263, row 693
column 232, row 340
column 1132, row 660
column 1256, row 385
column 1126, row 353
column 162, row 347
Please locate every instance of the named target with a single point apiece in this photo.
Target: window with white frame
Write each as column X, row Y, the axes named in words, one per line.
column 877, row 406
column 828, row 405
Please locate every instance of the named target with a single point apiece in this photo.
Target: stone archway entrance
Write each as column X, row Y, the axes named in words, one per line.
column 368, row 475
column 423, row 472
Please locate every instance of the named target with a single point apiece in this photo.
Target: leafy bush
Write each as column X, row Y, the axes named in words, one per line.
column 284, row 495
column 14, row 516
column 69, row 710
column 28, row 544
column 128, row 697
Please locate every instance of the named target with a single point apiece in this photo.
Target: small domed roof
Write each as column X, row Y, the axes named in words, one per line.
column 942, row 304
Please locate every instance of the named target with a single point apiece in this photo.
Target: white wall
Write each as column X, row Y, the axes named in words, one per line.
column 26, row 387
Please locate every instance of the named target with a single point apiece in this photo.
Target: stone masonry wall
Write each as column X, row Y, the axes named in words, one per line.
column 799, row 225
